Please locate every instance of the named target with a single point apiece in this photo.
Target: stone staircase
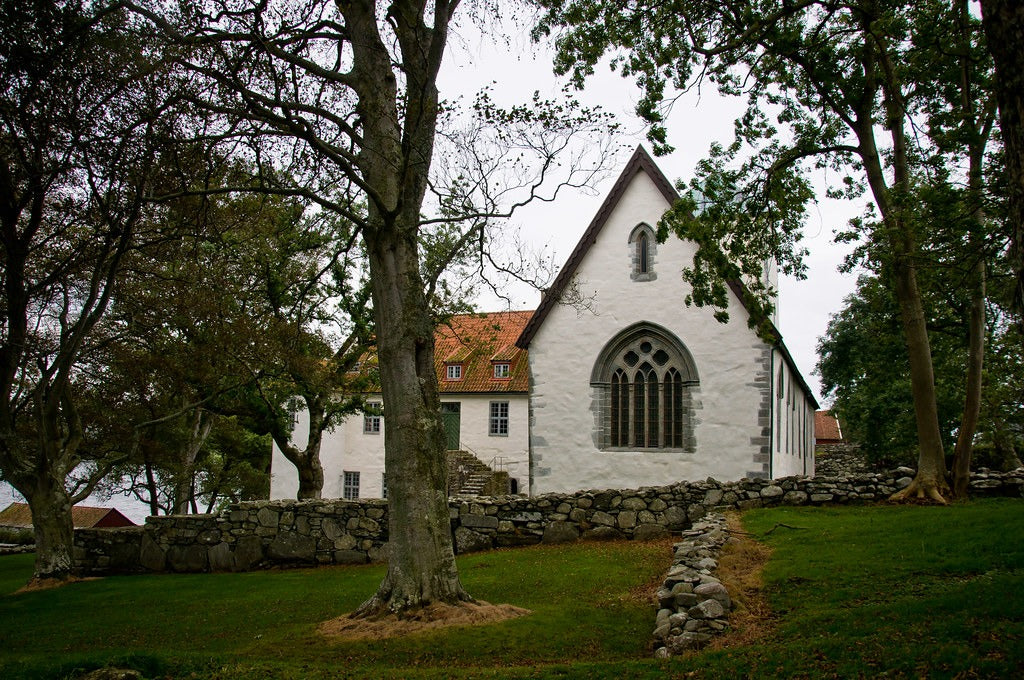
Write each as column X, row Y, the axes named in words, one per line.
column 469, row 476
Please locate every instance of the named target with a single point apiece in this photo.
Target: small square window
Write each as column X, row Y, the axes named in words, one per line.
column 501, row 371
column 454, row 372
column 498, row 426
column 371, row 418
column 350, row 486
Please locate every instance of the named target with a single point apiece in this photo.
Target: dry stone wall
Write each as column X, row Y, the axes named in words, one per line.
column 266, row 534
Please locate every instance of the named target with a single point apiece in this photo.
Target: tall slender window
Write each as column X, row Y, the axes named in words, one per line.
column 653, row 414
column 642, row 254
column 639, row 432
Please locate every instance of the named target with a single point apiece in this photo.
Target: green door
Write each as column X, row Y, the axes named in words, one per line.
column 450, row 415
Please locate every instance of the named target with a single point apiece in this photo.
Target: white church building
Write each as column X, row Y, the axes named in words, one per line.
column 636, row 390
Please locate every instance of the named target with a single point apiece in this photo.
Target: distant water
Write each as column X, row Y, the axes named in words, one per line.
column 129, row 507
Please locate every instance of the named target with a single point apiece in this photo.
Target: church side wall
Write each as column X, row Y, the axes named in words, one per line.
column 729, row 431
column 793, row 415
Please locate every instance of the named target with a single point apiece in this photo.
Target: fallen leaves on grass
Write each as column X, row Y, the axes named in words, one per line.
column 432, row 617
column 740, row 568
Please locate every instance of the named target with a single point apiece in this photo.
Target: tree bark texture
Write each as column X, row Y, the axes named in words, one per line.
column 1003, row 21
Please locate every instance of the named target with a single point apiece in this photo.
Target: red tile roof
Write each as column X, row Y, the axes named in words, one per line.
column 83, row 517
column 826, row 427
column 477, row 342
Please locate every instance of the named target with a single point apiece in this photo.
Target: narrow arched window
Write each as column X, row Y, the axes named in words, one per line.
column 643, row 248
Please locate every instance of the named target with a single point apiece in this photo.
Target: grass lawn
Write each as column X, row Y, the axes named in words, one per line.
column 855, row 592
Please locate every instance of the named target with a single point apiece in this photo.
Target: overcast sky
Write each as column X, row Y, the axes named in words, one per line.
column 696, row 121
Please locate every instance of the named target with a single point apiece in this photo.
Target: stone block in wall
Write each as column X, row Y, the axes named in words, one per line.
column 290, row 546
column 248, row 553
column 208, row 537
column 467, row 540
column 560, row 532
column 634, row 503
column 795, row 497
column 516, row 540
column 187, row 558
column 370, row 525
column 220, row 557
column 151, row 555
column 480, row 521
column 602, row 533
column 379, row 553
column 675, row 518
column 267, row 517
column 350, row 557
column 330, row 529
column 602, row 518
column 124, row 556
column 525, row 517
column 626, row 519
column 649, row 532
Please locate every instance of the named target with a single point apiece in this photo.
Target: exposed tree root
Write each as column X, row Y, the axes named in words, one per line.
column 922, row 491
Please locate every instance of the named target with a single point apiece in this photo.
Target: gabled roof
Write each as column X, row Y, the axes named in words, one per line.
column 82, row 516
column 639, row 162
column 477, row 342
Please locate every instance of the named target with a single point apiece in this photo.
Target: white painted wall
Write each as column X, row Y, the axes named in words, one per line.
column 793, row 421
column 349, row 448
column 474, row 437
column 562, row 355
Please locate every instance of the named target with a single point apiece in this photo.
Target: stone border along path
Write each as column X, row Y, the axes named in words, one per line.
column 693, row 603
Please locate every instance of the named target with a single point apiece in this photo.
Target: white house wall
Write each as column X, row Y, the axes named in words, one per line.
column 349, row 449
column 730, row 406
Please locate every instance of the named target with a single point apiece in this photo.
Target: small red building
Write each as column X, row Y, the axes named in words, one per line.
column 827, row 429
column 18, row 516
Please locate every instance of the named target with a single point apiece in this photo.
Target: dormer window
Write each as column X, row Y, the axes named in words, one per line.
column 453, row 372
column 642, row 249
column 501, row 370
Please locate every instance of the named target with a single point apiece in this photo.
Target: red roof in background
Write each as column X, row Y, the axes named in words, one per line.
column 477, row 342
column 826, row 427
column 82, row 516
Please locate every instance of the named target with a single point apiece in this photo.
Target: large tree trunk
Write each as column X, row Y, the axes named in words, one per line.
column 421, row 564
column 395, row 157
column 311, row 478
column 307, row 459
column 53, row 527
column 184, row 483
column 930, row 482
column 1003, row 21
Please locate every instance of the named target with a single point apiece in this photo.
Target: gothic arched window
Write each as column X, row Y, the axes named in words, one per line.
column 645, row 377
